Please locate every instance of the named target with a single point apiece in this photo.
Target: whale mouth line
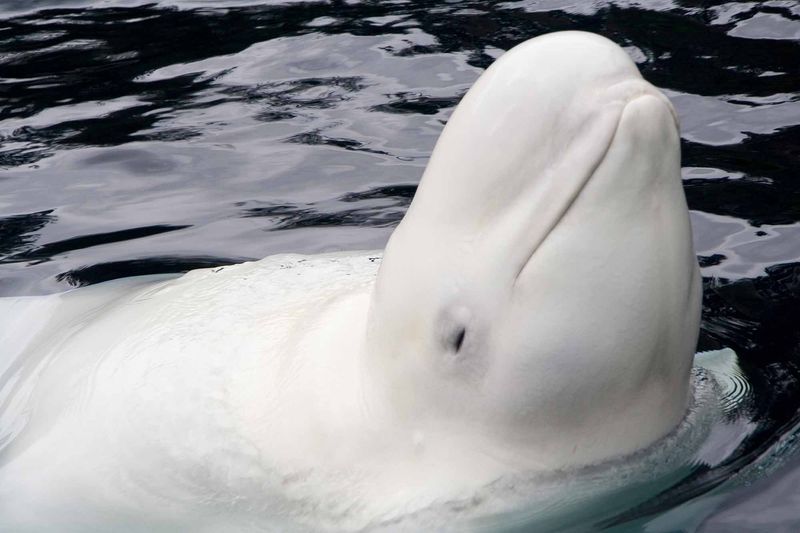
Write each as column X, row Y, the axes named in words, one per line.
column 571, row 199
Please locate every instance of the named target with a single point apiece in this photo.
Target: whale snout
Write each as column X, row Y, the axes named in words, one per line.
column 632, row 90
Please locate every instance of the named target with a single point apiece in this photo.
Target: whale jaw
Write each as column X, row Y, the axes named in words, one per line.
column 543, row 287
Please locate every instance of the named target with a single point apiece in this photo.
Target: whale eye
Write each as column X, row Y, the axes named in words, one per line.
column 458, row 339
column 453, row 324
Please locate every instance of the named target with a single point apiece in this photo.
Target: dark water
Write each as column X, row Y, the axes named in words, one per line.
column 150, row 138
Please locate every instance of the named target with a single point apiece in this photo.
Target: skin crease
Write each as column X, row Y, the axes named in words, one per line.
column 536, row 310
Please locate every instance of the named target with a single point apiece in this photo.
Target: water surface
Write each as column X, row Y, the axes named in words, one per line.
column 143, row 138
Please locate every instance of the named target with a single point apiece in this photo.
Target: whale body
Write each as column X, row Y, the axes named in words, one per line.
column 536, row 310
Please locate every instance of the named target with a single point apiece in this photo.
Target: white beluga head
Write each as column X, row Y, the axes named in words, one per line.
column 543, row 290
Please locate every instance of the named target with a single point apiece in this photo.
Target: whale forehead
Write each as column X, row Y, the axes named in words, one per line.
column 554, row 67
column 578, row 56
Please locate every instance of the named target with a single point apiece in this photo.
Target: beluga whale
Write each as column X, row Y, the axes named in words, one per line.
column 534, row 314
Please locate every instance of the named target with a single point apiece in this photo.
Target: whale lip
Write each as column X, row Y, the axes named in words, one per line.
column 567, row 206
column 633, row 90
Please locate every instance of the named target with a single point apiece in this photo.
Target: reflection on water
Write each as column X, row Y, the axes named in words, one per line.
column 161, row 137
